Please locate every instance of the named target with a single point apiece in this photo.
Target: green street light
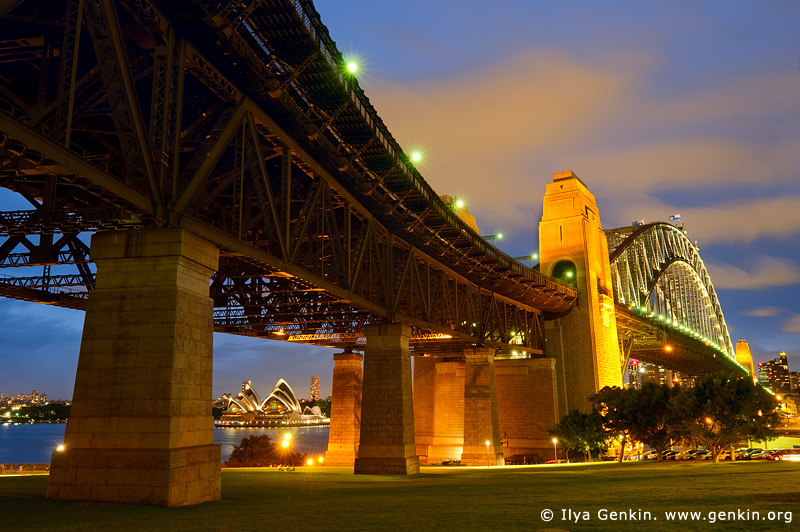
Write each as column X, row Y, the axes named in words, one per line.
column 352, row 67
column 416, row 156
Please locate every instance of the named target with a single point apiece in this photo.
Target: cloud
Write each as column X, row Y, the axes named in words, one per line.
column 792, row 325
column 691, row 161
column 740, row 221
column 481, row 131
column 765, row 312
column 495, row 135
column 768, row 271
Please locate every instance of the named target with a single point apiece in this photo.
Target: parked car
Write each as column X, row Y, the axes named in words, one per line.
column 669, row 454
column 748, row 453
column 649, row 455
column 762, row 455
column 691, row 454
column 701, row 454
column 792, row 455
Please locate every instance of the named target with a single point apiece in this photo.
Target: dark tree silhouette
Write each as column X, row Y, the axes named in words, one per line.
column 259, row 451
column 581, row 432
column 720, row 411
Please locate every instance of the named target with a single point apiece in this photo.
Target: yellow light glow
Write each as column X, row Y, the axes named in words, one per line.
column 60, row 447
column 285, row 443
column 668, row 348
column 416, row 156
column 352, row 67
column 310, row 462
column 459, row 204
column 555, row 440
column 287, row 436
column 321, row 459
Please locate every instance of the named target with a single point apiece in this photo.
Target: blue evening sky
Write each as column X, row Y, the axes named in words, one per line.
column 687, row 106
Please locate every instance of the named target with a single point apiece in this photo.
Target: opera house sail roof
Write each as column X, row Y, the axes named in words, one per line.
column 281, row 405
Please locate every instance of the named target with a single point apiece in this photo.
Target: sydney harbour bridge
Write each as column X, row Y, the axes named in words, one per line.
column 233, row 177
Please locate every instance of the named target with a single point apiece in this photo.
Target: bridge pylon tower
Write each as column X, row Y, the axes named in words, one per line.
column 574, row 250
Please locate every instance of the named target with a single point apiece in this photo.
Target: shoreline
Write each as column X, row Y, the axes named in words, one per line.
column 31, row 422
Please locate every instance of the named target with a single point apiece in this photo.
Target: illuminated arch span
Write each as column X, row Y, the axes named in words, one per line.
column 657, row 268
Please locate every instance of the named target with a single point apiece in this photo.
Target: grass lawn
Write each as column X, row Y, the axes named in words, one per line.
column 464, row 499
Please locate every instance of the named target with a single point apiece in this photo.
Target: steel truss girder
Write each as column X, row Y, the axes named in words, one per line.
column 206, row 154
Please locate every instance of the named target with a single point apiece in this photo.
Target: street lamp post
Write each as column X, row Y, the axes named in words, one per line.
column 285, row 445
column 555, row 449
column 487, row 454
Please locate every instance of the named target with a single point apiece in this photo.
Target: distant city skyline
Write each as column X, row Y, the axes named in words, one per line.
column 665, row 108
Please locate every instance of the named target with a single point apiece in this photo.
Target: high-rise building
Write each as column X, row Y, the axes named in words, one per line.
column 641, row 372
column 636, row 371
column 35, row 397
column 315, row 388
column 775, row 374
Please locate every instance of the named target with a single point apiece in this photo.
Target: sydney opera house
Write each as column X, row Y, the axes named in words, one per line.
column 280, row 407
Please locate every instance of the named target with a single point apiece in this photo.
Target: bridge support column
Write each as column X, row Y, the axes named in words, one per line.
column 141, row 429
column 424, row 405
column 345, row 410
column 573, row 249
column 387, row 411
column 526, row 386
column 481, row 420
column 439, row 408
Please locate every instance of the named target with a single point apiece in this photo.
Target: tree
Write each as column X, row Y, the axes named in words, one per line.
column 719, row 411
column 647, row 414
column 581, row 432
column 656, row 420
column 614, row 405
column 259, row 451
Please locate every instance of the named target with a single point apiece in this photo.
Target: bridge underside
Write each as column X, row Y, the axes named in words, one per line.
column 642, row 340
column 125, row 115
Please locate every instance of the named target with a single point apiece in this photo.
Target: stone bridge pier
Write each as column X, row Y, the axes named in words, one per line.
column 140, row 429
column 345, row 428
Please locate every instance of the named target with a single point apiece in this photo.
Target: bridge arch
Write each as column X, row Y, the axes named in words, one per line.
column 657, row 270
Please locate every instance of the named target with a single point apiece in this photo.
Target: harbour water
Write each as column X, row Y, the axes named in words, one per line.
column 34, row 442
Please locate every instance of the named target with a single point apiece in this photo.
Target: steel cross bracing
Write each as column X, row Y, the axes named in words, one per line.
column 665, row 295
column 235, row 121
